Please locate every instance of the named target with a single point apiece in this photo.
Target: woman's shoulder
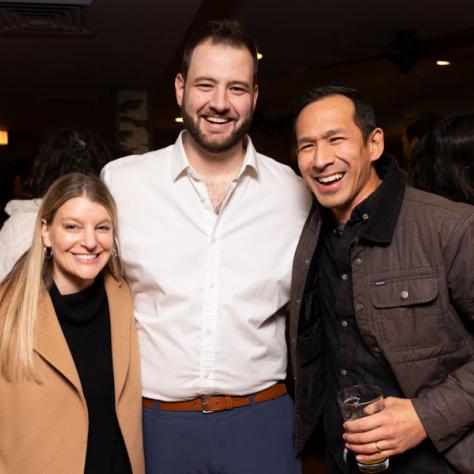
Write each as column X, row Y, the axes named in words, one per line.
column 22, row 206
column 17, row 232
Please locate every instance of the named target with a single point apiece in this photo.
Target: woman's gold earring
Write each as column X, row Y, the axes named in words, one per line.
column 47, row 253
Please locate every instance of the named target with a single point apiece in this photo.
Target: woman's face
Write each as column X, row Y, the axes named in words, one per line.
column 81, row 238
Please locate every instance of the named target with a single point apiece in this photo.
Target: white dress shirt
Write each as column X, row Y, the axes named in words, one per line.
column 208, row 289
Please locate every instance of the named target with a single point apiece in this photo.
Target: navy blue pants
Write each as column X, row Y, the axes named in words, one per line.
column 256, row 439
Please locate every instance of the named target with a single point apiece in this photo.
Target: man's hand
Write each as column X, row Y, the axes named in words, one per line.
column 391, row 431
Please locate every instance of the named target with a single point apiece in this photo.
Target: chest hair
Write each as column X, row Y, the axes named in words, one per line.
column 218, row 190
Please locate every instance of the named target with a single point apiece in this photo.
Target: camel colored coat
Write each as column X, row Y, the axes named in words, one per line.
column 44, row 427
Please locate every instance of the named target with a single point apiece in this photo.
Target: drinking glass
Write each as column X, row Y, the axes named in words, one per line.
column 359, row 401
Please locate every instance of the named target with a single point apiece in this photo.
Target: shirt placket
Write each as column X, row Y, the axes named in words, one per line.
column 210, row 302
column 344, row 317
column 210, row 309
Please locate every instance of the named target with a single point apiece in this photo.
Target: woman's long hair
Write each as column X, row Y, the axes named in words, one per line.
column 32, row 275
column 445, row 165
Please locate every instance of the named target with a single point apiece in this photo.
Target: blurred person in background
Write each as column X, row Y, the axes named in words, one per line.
column 70, row 391
column 64, row 151
column 13, row 173
column 445, row 165
column 416, row 128
column 413, row 136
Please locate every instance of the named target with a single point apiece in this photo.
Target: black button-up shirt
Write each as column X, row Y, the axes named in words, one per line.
column 349, row 361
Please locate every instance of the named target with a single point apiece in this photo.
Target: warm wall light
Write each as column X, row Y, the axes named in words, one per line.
column 442, row 62
column 3, row 137
column 259, row 56
column 179, row 120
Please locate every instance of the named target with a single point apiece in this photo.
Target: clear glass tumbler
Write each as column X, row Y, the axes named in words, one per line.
column 359, row 401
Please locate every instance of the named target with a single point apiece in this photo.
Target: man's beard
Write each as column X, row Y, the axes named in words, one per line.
column 212, row 146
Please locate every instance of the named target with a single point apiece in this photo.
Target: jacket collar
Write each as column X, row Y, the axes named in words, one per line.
column 381, row 226
column 121, row 317
column 51, row 344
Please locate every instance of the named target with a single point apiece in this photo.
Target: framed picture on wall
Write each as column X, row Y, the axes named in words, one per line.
column 133, row 126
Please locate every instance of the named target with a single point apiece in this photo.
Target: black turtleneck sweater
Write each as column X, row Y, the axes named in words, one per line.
column 84, row 319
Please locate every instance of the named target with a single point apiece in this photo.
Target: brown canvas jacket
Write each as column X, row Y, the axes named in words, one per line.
column 413, row 291
column 44, row 428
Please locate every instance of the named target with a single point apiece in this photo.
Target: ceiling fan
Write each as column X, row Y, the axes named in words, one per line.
column 404, row 52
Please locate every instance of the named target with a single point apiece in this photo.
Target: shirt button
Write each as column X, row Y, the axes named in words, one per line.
column 404, row 295
column 298, row 301
column 206, row 375
column 307, row 261
column 344, row 323
column 211, row 285
column 343, row 372
column 365, row 216
column 359, row 307
column 344, row 276
column 209, row 331
column 357, row 261
column 377, row 350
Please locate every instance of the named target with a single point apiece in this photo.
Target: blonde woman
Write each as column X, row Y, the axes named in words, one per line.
column 69, row 370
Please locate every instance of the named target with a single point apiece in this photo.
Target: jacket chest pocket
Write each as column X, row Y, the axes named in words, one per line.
column 408, row 313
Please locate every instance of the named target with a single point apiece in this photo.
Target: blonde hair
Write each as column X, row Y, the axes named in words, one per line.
column 32, row 275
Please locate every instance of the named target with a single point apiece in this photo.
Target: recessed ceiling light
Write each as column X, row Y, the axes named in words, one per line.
column 443, row 62
column 179, row 120
column 259, row 56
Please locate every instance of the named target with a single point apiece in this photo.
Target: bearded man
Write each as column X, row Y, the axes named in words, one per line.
column 208, row 228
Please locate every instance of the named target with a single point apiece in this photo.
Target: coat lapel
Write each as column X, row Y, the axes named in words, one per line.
column 120, row 308
column 50, row 342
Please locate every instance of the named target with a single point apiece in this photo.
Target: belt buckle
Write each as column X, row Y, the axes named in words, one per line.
column 203, row 406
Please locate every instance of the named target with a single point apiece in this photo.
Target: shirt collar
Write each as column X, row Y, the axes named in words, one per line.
column 360, row 215
column 250, row 163
column 180, row 163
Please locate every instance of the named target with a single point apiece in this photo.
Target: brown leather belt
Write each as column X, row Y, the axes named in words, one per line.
column 219, row 402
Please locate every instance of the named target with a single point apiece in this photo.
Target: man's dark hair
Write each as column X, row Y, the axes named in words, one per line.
column 226, row 32
column 364, row 113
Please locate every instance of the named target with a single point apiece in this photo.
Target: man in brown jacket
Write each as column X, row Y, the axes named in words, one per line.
column 382, row 293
